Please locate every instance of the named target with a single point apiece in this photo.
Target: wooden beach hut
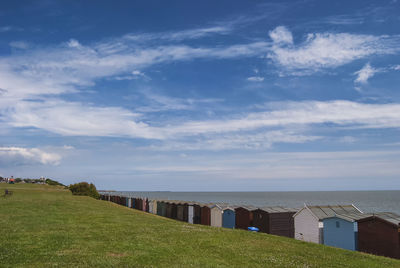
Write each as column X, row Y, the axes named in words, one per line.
column 216, row 215
column 228, row 218
column 168, row 207
column 341, row 231
column 308, row 221
column 205, row 215
column 379, row 234
column 154, row 206
column 275, row 220
column 244, row 217
column 190, row 209
column 182, row 211
column 159, row 208
column 197, row 214
column 150, row 202
column 140, row 203
column 174, row 210
column 132, row 202
column 147, row 205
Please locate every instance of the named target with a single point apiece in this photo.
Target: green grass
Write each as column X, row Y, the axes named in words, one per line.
column 45, row 226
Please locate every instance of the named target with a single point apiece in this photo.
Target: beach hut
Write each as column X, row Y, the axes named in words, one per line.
column 244, row 217
column 228, row 218
column 144, row 205
column 190, row 212
column 147, row 205
column 341, row 231
column 140, row 203
column 154, row 206
column 274, row 220
column 380, row 234
column 159, row 208
column 216, row 215
column 308, row 221
column 128, row 201
column 174, row 210
column 132, row 202
column 163, row 209
column 205, row 215
column 197, row 214
column 180, row 207
column 150, row 202
column 168, row 208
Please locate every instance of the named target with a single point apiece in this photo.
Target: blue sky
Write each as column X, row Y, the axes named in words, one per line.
column 199, row 96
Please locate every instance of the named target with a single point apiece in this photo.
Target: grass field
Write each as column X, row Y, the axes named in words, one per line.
column 45, row 226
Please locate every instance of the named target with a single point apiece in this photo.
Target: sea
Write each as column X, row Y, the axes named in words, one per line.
column 366, row 201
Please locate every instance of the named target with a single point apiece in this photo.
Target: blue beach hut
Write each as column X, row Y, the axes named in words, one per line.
column 228, row 218
column 341, row 230
column 127, row 201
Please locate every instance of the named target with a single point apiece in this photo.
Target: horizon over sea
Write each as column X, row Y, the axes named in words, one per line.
column 366, row 201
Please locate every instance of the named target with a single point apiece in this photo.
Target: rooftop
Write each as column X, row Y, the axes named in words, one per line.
column 322, row 212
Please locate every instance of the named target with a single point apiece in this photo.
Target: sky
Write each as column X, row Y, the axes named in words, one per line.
column 202, row 95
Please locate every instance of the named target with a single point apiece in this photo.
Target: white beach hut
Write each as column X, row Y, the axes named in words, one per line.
column 308, row 221
column 216, row 215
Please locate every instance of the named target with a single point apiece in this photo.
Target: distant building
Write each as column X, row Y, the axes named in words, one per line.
column 308, row 221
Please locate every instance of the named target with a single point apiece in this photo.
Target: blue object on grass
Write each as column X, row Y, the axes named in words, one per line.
column 253, row 229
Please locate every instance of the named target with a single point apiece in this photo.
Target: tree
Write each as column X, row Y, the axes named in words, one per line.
column 84, row 188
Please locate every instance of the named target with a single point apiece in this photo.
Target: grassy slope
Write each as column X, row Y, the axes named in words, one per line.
column 47, row 226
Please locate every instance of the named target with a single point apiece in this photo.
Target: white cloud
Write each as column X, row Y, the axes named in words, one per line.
column 73, row 43
column 281, row 35
column 76, row 119
column 9, row 28
column 365, row 73
column 348, row 139
column 262, row 140
column 23, row 156
column 179, row 35
column 341, row 113
column 19, row 44
column 255, row 79
column 328, row 50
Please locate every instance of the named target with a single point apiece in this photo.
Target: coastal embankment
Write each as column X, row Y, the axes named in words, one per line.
column 44, row 226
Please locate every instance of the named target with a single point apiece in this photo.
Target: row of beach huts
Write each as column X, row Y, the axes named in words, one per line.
column 343, row 226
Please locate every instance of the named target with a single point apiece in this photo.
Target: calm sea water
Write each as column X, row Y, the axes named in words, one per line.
column 367, row 201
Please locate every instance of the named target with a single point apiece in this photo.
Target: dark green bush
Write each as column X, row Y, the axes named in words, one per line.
column 84, row 188
column 53, row 182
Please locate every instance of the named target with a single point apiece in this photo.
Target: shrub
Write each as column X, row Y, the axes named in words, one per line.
column 84, row 188
column 53, row 182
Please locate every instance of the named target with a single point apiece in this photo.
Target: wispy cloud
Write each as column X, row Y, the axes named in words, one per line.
column 19, row 44
column 365, row 73
column 9, row 28
column 263, row 140
column 179, row 35
column 326, row 50
column 26, row 156
column 255, row 78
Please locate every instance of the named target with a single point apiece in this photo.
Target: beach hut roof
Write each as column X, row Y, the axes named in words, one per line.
column 277, row 209
column 249, row 208
column 389, row 217
column 351, row 217
column 323, row 212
